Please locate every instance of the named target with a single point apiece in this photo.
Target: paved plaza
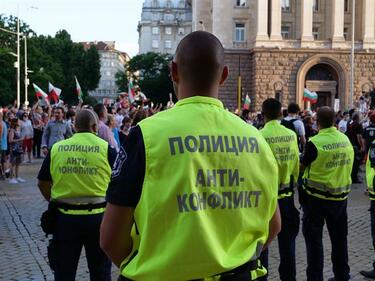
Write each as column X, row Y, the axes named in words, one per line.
column 23, row 244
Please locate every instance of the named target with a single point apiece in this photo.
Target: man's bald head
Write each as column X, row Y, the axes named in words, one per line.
column 86, row 121
column 199, row 61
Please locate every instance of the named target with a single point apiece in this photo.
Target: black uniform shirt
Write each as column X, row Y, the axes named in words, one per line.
column 128, row 172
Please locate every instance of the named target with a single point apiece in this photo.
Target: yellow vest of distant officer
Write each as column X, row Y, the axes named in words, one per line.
column 284, row 145
column 370, row 175
column 80, row 169
column 329, row 176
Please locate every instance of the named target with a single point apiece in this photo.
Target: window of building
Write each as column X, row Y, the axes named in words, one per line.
column 240, row 32
column 155, row 30
column 155, row 44
column 168, row 44
column 108, row 73
column 315, row 33
column 316, row 5
column 240, row 3
column 285, row 32
column 168, row 30
column 346, row 6
column 168, row 17
column 181, row 31
column 285, row 5
column 346, row 33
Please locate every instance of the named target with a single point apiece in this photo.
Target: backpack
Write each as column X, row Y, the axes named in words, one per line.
column 289, row 124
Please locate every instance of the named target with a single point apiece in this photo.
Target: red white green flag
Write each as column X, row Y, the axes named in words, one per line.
column 131, row 91
column 40, row 94
column 54, row 93
column 247, row 102
column 78, row 89
column 310, row 96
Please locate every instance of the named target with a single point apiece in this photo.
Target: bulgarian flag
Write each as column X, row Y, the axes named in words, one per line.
column 131, row 91
column 54, row 93
column 78, row 89
column 310, row 96
column 39, row 92
column 247, row 102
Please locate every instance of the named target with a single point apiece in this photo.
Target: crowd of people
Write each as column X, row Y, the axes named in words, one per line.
column 106, row 171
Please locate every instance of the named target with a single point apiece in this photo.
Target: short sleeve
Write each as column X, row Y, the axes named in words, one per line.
column 128, row 172
column 372, row 155
column 309, row 155
column 45, row 172
column 112, row 154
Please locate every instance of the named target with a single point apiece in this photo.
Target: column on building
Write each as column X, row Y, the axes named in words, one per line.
column 306, row 21
column 338, row 11
column 275, row 20
column 261, row 22
column 368, row 24
column 222, row 21
column 201, row 11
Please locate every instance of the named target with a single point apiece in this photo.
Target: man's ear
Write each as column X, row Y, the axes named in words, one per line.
column 224, row 75
column 95, row 128
column 174, row 72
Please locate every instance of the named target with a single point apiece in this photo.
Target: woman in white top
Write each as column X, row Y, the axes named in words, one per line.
column 27, row 133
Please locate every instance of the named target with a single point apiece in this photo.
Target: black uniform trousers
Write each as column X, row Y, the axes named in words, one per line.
column 71, row 234
column 315, row 212
column 286, row 240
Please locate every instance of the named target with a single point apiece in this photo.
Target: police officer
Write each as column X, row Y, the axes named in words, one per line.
column 74, row 177
column 284, row 145
column 327, row 164
column 189, row 198
column 370, row 177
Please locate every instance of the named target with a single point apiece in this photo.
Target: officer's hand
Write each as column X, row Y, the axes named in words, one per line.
column 45, row 151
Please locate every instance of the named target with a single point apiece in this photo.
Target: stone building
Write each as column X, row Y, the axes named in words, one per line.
column 111, row 62
column 281, row 47
column 163, row 24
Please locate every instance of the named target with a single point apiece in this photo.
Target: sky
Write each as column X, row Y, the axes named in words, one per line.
column 85, row 20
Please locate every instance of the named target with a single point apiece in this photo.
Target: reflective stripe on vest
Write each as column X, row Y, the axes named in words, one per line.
column 284, row 146
column 370, row 174
column 329, row 176
column 205, row 169
column 80, row 169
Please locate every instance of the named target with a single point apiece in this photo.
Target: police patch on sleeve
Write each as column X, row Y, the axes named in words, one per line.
column 119, row 162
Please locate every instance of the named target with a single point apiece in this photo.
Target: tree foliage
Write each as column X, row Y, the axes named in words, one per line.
column 150, row 72
column 56, row 59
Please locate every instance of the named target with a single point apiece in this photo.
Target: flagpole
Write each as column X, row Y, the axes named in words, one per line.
column 239, row 85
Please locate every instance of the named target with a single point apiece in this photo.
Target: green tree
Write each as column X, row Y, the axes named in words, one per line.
column 56, row 59
column 122, row 81
column 151, row 73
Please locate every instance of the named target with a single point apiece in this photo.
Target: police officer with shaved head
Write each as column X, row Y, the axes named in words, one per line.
column 189, row 198
column 74, row 178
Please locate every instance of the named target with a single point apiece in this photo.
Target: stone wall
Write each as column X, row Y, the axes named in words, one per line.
column 265, row 71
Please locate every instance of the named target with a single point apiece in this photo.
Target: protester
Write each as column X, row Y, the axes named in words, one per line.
column 15, row 141
column 55, row 130
column 27, row 133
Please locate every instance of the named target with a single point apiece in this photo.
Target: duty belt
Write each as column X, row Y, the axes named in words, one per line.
column 87, row 207
column 249, row 266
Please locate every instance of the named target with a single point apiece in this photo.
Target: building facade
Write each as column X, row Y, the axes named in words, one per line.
column 163, row 24
column 111, row 62
column 280, row 47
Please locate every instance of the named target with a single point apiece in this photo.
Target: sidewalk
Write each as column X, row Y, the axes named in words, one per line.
column 23, row 245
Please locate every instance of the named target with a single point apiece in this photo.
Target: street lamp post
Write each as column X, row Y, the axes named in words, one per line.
column 352, row 58
column 26, row 72
column 18, row 64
